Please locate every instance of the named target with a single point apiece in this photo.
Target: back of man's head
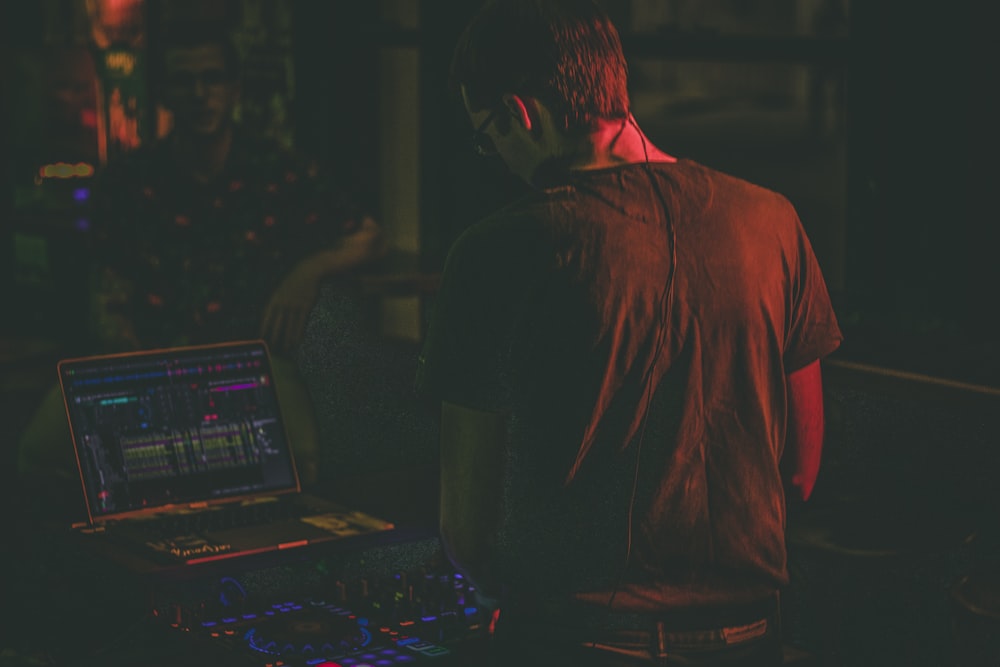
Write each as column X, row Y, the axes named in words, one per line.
column 567, row 53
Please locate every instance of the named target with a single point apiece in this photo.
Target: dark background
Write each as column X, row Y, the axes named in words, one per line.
column 919, row 275
column 914, row 281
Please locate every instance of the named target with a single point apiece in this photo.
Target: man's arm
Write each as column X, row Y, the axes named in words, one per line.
column 360, row 247
column 288, row 309
column 472, row 467
column 804, row 447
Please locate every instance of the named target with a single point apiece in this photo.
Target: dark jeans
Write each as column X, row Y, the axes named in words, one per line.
column 748, row 636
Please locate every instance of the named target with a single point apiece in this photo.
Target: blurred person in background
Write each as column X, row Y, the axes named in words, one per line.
column 210, row 234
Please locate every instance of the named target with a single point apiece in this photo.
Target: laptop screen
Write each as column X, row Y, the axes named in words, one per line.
column 178, row 426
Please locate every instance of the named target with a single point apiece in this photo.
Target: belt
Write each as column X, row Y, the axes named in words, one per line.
column 716, row 617
column 748, row 634
column 752, row 631
column 728, row 624
column 657, row 638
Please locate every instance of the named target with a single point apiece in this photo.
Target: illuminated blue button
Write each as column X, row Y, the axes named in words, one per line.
column 229, row 620
column 208, row 624
column 408, row 641
column 469, row 611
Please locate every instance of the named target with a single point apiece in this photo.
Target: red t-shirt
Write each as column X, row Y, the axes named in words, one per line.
column 553, row 311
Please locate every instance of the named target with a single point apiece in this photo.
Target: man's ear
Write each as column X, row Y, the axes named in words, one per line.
column 523, row 109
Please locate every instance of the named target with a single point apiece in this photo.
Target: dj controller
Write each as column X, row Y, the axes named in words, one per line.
column 405, row 618
column 425, row 614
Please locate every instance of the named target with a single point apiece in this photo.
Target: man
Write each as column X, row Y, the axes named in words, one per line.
column 626, row 364
column 212, row 234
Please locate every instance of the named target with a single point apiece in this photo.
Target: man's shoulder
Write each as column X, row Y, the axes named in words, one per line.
column 694, row 171
column 491, row 243
column 522, row 216
column 724, row 191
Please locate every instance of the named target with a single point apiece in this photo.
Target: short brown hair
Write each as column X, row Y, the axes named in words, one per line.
column 567, row 53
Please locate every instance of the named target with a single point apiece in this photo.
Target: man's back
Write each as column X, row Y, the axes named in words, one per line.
column 570, row 284
column 561, row 319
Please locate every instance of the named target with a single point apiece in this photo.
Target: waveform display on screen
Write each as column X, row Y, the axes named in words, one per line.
column 214, row 447
column 174, row 425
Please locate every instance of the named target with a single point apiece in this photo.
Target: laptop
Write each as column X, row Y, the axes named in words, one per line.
column 184, row 457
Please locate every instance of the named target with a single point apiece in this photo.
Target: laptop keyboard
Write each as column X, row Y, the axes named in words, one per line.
column 237, row 516
column 222, row 517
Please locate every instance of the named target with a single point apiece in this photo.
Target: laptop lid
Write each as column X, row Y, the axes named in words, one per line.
column 190, row 426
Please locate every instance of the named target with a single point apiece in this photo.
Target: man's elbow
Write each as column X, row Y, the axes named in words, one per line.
column 801, row 485
column 805, row 431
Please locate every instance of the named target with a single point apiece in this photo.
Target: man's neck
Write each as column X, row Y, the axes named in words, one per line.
column 614, row 143
column 203, row 157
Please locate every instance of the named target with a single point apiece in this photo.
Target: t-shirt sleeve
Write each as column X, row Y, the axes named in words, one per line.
column 813, row 332
column 463, row 352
